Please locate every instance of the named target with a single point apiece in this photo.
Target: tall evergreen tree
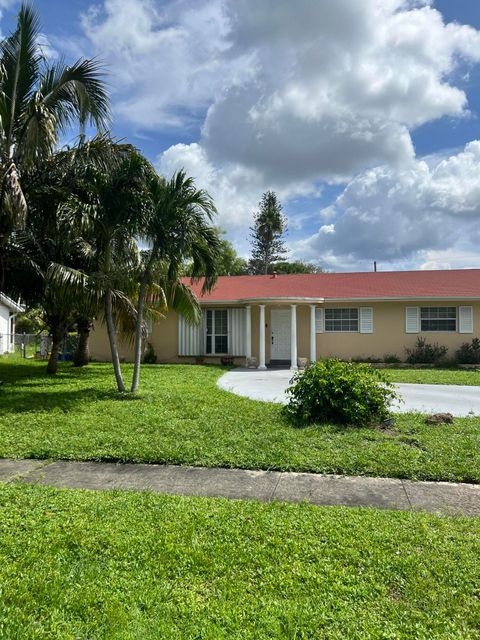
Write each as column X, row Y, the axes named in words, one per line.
column 267, row 233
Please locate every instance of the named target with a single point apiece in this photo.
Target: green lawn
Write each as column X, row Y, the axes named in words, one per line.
column 434, row 376
column 83, row 565
column 182, row 417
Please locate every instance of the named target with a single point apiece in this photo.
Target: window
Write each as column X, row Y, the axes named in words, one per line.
column 341, row 320
column 217, row 332
column 12, row 329
column 438, row 318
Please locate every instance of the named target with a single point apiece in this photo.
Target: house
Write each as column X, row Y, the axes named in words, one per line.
column 280, row 318
column 8, row 312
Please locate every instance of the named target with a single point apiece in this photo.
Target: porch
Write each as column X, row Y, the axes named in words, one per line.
column 256, row 334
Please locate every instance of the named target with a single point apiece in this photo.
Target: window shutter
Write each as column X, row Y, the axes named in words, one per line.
column 190, row 337
column 236, row 332
column 319, row 315
column 412, row 319
column 465, row 320
column 366, row 319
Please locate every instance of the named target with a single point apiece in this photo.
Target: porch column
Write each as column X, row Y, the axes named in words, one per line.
column 261, row 328
column 248, row 337
column 313, row 334
column 293, row 337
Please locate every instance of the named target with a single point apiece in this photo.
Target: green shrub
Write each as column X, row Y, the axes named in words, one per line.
column 339, row 392
column 370, row 359
column 425, row 353
column 150, row 357
column 391, row 358
column 469, row 352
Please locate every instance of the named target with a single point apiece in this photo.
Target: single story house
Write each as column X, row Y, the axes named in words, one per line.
column 276, row 319
column 8, row 311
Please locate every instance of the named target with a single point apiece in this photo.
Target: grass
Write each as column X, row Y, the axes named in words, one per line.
column 467, row 377
column 122, row 566
column 182, row 417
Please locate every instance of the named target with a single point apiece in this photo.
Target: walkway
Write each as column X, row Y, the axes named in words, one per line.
column 351, row 491
column 270, row 386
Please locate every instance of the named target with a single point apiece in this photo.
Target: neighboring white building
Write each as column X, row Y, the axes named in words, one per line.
column 8, row 312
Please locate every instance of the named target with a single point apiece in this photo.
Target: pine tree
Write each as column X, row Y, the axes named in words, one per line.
column 268, row 228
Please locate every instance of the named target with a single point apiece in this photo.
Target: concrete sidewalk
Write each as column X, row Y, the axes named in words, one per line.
column 351, row 491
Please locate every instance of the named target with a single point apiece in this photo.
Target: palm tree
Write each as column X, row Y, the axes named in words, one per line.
column 110, row 207
column 38, row 102
column 53, row 262
column 178, row 228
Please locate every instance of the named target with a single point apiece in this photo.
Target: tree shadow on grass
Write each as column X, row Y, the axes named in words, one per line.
column 12, row 372
column 66, row 400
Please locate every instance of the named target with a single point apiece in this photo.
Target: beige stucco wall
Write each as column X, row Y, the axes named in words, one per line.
column 388, row 337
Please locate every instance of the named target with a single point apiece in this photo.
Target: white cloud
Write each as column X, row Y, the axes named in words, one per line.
column 285, row 95
column 422, row 213
column 235, row 188
column 167, row 61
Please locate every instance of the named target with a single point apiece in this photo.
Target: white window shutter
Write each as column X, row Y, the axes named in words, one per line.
column 366, row 319
column 465, row 319
column 190, row 338
column 412, row 319
column 236, row 332
column 319, row 316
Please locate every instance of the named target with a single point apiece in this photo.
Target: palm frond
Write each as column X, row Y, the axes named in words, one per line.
column 20, row 61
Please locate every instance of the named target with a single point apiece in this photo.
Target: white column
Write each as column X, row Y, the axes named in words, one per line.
column 248, row 331
column 313, row 334
column 293, row 337
column 261, row 328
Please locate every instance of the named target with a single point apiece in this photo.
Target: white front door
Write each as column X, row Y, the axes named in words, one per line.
column 280, row 334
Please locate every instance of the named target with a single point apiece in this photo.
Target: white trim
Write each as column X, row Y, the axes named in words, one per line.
column 261, row 345
column 11, row 304
column 214, row 334
column 357, row 330
column 313, row 333
column 327, row 300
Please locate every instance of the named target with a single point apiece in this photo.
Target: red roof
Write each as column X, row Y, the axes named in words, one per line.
column 455, row 283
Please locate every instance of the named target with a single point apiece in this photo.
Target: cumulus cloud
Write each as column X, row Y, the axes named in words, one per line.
column 419, row 213
column 235, row 188
column 287, row 95
column 167, row 61
column 297, row 90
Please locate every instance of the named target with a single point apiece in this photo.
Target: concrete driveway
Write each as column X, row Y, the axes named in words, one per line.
column 270, row 386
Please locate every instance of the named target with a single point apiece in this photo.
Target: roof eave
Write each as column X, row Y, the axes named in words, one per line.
column 11, row 304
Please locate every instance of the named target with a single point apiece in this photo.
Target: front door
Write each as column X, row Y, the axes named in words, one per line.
column 280, row 338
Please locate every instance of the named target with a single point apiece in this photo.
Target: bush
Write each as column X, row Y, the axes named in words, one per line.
column 339, row 392
column 370, row 359
column 426, row 353
column 391, row 358
column 150, row 357
column 469, row 352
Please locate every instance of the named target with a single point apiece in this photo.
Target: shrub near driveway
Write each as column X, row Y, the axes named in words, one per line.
column 339, row 392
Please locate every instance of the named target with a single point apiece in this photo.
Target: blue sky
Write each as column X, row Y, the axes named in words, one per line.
column 363, row 116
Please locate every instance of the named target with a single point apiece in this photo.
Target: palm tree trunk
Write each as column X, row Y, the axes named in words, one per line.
column 113, row 341
column 57, row 337
column 138, row 334
column 82, row 353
